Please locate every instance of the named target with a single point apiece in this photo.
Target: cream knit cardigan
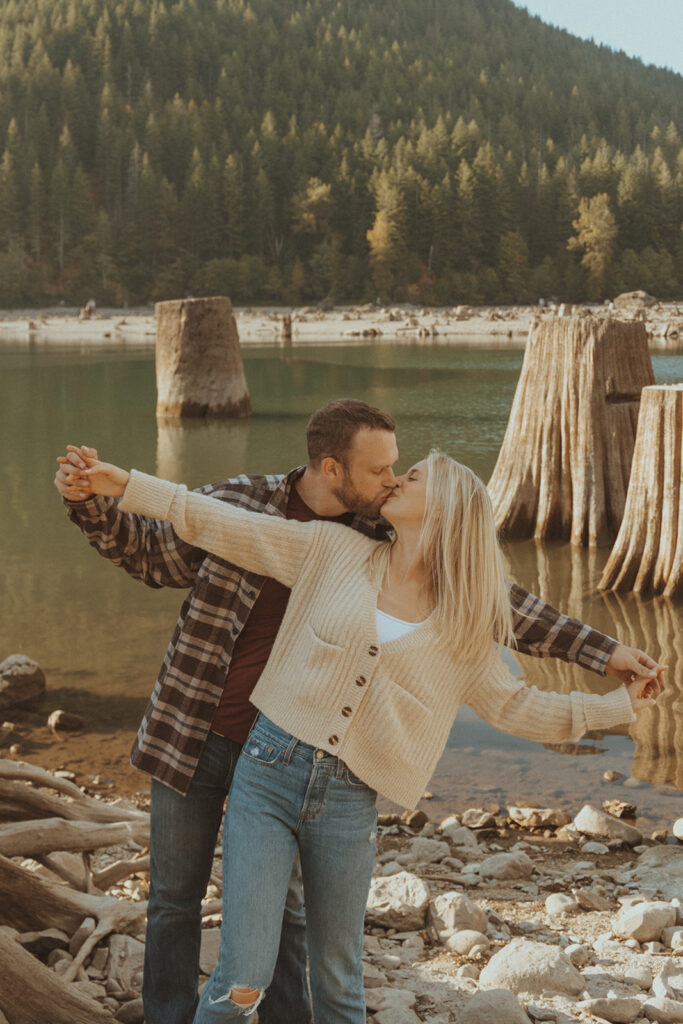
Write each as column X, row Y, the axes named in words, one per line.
column 385, row 709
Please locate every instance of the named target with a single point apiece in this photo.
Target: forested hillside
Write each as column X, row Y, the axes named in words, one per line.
column 285, row 150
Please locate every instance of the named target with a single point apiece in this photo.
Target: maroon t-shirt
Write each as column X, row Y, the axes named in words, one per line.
column 235, row 714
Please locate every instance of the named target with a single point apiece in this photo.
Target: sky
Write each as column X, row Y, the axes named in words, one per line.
column 649, row 29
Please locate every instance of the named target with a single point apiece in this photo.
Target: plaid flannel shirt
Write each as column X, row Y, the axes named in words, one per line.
column 179, row 714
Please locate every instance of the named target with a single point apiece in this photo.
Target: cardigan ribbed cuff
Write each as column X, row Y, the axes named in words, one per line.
column 148, row 495
column 613, row 708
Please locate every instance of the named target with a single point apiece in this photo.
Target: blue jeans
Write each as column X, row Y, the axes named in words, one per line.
column 286, row 797
column 183, row 839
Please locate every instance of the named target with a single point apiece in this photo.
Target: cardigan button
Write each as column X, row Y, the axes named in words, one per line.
column 373, row 650
column 333, row 741
column 360, row 681
column 347, row 711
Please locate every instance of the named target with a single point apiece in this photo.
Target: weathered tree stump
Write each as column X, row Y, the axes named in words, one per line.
column 648, row 553
column 198, row 360
column 564, row 465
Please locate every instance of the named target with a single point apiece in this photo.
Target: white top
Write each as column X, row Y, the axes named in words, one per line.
column 391, row 628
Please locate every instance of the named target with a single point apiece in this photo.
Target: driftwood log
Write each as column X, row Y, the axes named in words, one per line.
column 30, row 992
column 198, row 360
column 68, row 899
column 564, row 465
column 647, row 556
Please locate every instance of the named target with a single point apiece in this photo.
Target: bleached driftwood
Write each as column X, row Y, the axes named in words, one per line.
column 647, row 556
column 564, row 464
column 22, row 802
column 33, row 838
column 29, row 992
column 95, row 810
column 119, row 870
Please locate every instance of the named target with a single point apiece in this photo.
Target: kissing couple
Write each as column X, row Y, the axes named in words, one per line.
column 335, row 620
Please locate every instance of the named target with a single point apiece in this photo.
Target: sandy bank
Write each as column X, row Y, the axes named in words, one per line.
column 486, row 325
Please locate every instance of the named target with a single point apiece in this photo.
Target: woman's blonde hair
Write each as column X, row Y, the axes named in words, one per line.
column 459, row 547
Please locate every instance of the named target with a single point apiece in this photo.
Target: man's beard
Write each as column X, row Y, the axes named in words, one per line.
column 347, row 495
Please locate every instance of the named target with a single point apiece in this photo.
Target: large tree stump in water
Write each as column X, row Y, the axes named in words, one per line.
column 648, row 552
column 198, row 360
column 564, row 464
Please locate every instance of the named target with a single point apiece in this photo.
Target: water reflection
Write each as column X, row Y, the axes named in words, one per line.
column 195, row 448
column 566, row 576
column 655, row 625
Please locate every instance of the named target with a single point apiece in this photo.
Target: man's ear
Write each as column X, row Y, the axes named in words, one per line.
column 331, row 469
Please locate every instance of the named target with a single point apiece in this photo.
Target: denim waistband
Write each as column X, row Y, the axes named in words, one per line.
column 295, row 748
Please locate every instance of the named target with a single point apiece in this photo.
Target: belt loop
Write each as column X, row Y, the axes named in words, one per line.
column 291, row 746
column 340, row 769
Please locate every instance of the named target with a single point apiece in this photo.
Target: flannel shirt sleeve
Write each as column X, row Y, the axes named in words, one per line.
column 147, row 549
column 543, row 632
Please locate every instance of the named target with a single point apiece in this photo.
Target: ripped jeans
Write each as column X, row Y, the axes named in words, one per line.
column 287, row 795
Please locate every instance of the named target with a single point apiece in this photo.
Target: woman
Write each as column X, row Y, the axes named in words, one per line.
column 380, row 645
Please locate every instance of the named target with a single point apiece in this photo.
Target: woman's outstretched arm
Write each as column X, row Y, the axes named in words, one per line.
column 512, row 706
column 265, row 544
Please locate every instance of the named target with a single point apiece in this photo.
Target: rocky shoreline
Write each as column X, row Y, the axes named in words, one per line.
column 330, row 324
column 487, row 917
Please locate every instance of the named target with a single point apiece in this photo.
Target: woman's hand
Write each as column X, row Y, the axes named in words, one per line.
column 98, row 477
column 642, row 693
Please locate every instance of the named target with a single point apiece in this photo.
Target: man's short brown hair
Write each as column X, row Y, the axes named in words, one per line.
column 331, row 430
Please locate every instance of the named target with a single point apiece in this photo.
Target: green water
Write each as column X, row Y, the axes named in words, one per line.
column 96, row 631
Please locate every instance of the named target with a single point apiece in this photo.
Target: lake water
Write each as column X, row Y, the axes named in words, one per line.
column 100, row 636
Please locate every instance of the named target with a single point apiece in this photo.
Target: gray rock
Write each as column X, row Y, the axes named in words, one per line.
column 453, row 911
column 465, row 941
column 539, row 817
column 470, row 971
column 379, row 999
column 131, row 1012
column 427, row 851
column 578, row 954
column 617, row 1009
column 493, row 1007
column 126, row 961
column 399, row 901
column 640, row 976
column 90, row 989
column 663, row 1011
column 458, row 834
column 476, row 817
column 22, row 682
column 560, row 903
column 644, row 921
column 669, row 982
column 594, row 822
column 589, row 899
column 672, row 937
column 595, row 848
column 660, row 868
column 507, row 865
column 373, row 977
column 533, row 967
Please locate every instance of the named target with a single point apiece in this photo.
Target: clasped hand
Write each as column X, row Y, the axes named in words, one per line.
column 81, row 474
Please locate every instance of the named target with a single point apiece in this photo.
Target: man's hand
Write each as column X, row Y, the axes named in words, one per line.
column 68, row 481
column 630, row 664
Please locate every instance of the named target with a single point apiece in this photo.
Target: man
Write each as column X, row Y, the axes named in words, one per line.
column 199, row 714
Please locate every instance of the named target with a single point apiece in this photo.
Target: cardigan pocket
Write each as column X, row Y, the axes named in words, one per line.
column 322, row 656
column 404, row 718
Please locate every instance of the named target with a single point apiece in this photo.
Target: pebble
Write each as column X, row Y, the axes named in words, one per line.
column 399, row 901
column 559, row 903
column 597, row 848
column 131, row 1012
column 458, row 834
column 663, row 1011
column 578, row 954
column 677, row 828
column 64, row 721
column 507, row 865
column 476, row 817
column 468, row 971
column 465, row 941
column 452, row 912
column 611, row 775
